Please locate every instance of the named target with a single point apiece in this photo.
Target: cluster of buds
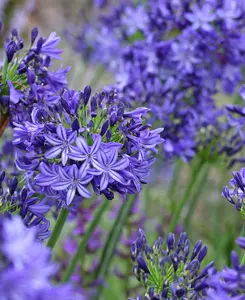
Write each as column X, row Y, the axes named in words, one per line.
column 171, row 273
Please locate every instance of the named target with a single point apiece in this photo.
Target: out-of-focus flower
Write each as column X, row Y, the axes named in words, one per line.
column 21, row 201
column 26, row 263
column 174, row 57
column 230, row 282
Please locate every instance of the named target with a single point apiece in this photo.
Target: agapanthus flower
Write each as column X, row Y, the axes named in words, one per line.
column 174, row 57
column 26, row 263
column 229, row 283
column 25, row 76
column 236, row 193
column 61, row 143
column 173, row 271
column 69, row 141
column 15, row 200
column 82, row 143
column 236, row 121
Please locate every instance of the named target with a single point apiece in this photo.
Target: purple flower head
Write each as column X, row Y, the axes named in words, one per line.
column 241, row 242
column 229, row 283
column 153, row 265
column 75, row 144
column 21, row 201
column 56, row 80
column 67, row 141
column 236, row 195
column 19, row 249
column 174, row 58
column 27, row 81
column 229, row 12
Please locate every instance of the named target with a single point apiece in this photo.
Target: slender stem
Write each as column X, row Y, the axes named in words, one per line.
column 186, row 196
column 83, row 244
column 196, row 195
column 217, row 232
column 243, row 260
column 239, row 249
column 98, row 74
column 173, row 184
column 111, row 243
column 58, row 227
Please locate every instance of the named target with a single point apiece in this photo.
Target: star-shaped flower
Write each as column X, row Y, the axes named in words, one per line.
column 73, row 179
column 62, row 143
column 109, row 166
column 83, row 152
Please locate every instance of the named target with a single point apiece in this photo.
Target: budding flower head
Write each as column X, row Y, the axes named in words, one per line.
column 236, row 194
column 20, row 201
column 170, row 272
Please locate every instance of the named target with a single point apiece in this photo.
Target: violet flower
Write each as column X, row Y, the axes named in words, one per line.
column 173, row 271
column 229, row 283
column 68, row 142
column 73, row 180
column 49, row 46
column 62, row 144
column 109, row 167
column 83, row 152
column 173, row 57
column 18, row 252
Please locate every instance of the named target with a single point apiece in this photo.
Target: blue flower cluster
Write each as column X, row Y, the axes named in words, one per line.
column 230, row 282
column 236, row 122
column 32, row 209
column 173, row 56
column 26, row 78
column 171, row 273
column 25, row 266
column 86, row 142
column 236, row 194
column 67, row 138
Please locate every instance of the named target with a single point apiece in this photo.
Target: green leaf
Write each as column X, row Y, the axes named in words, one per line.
column 137, row 36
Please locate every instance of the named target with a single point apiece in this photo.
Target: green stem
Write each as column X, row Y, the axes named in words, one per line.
column 111, row 242
column 173, row 184
column 83, row 244
column 243, row 260
column 202, row 178
column 176, row 216
column 98, row 74
column 58, row 227
column 239, row 250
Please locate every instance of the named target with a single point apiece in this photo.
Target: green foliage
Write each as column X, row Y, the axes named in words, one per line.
column 9, row 206
column 137, row 36
column 243, row 211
